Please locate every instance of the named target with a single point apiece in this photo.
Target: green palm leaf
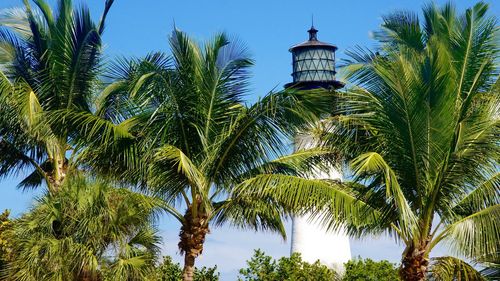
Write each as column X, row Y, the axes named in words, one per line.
column 419, row 127
column 450, row 268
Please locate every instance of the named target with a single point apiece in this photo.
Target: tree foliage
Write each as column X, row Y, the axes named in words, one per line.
column 262, row 267
column 426, row 114
column 369, row 270
column 168, row 270
column 5, row 242
column 451, row 268
column 50, row 60
column 418, row 127
column 84, row 231
column 193, row 140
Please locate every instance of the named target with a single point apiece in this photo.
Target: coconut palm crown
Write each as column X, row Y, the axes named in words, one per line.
column 87, row 231
column 418, row 126
column 193, row 140
column 50, row 60
column 421, row 132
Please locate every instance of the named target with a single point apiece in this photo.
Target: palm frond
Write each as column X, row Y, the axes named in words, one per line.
column 330, row 202
column 485, row 195
column 250, row 213
column 170, row 157
column 79, row 231
column 475, row 235
column 402, row 29
column 451, row 268
column 17, row 20
column 372, row 163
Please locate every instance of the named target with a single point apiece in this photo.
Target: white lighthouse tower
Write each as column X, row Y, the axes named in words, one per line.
column 314, row 67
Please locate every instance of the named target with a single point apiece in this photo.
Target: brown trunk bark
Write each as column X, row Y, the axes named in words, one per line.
column 415, row 262
column 192, row 238
column 188, row 271
column 57, row 175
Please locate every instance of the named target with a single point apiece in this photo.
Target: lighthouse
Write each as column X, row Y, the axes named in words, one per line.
column 313, row 64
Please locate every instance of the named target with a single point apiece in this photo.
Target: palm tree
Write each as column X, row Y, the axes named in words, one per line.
column 50, row 60
column 419, row 128
column 87, row 231
column 193, row 140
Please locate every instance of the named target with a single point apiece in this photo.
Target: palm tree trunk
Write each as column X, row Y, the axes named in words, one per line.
column 57, row 175
column 192, row 238
column 415, row 262
column 188, row 271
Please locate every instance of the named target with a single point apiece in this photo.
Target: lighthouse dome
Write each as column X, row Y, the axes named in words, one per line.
column 313, row 64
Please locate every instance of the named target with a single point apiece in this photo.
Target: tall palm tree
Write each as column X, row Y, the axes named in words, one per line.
column 193, row 140
column 87, row 231
column 420, row 130
column 50, row 60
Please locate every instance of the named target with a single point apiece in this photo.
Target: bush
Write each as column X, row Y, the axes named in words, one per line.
column 264, row 268
column 170, row 271
column 369, row 270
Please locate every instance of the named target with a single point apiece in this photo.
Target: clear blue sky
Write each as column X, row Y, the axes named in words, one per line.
column 269, row 28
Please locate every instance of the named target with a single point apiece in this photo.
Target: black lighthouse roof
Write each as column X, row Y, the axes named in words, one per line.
column 313, row 42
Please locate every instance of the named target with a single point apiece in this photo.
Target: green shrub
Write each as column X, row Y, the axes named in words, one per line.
column 264, row 268
column 370, row 270
column 168, row 270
